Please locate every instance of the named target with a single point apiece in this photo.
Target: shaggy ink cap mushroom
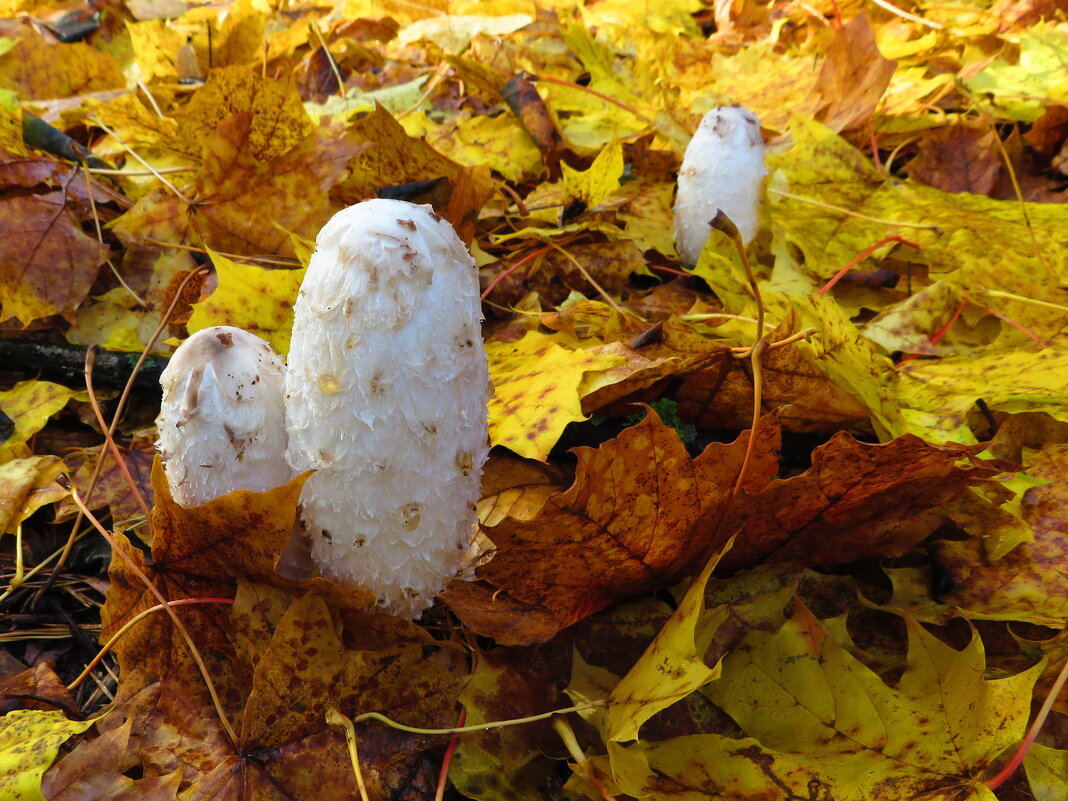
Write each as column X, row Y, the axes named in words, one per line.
column 386, row 398
column 723, row 168
column 222, row 422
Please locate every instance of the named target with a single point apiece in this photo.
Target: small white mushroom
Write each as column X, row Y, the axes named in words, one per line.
column 386, row 398
column 723, row 168
column 222, row 422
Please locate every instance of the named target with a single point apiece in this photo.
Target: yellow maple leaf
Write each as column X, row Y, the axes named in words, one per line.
column 29, row 404
column 29, row 741
column 26, row 485
column 597, row 183
column 250, row 297
column 536, row 384
column 155, row 45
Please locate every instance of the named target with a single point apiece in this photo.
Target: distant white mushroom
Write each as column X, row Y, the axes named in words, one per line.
column 723, row 168
column 386, row 397
column 222, row 422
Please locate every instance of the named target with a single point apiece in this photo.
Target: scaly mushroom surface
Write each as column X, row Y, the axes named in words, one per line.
column 723, row 168
column 386, row 397
column 222, row 423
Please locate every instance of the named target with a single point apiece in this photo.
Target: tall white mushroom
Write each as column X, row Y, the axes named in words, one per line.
column 723, row 168
column 222, row 422
column 386, row 398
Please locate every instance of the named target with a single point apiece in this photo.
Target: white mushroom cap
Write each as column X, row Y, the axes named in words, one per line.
column 723, row 168
column 386, row 399
column 222, row 421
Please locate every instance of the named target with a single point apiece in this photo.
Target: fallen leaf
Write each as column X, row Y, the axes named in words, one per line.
column 1026, row 583
column 515, row 488
column 46, row 263
column 256, row 299
column 821, row 722
column 1046, row 770
column 155, row 46
column 598, row 182
column 29, row 405
column 772, row 87
column 1013, row 381
column 11, row 132
column 963, row 158
column 499, row 143
column 527, row 105
column 29, row 741
column 641, row 514
column 814, row 518
column 95, row 773
column 241, row 38
column 277, row 119
column 26, row 485
column 717, row 389
column 227, row 213
column 1021, row 91
column 853, row 77
column 112, row 489
column 673, row 666
column 43, row 71
column 453, row 33
column 536, row 383
column 38, row 686
column 493, row 613
column 956, row 233
column 387, row 157
column 910, row 324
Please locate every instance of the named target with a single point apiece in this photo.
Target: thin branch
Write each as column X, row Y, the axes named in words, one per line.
column 224, row 721
column 129, row 624
column 143, row 163
column 860, row 257
column 512, row 269
column 590, row 278
column 109, row 438
column 497, row 724
column 900, row 12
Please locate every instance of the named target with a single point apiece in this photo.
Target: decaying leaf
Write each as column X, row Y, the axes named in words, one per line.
column 28, row 405
column 640, row 514
column 742, row 640
column 29, row 741
column 26, row 485
column 47, row 263
column 1026, row 583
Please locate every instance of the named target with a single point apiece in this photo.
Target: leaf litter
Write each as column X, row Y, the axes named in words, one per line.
column 868, row 612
